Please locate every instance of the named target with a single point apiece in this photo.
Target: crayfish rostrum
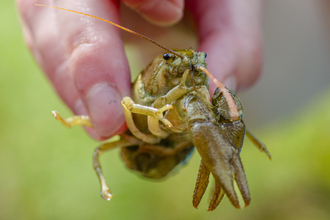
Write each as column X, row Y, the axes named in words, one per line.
column 169, row 114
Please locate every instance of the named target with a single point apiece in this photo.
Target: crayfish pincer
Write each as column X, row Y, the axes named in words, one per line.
column 168, row 114
column 219, row 141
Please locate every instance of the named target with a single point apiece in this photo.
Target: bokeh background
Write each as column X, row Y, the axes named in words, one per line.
column 46, row 170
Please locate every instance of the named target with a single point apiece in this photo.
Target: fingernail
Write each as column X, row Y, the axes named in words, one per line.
column 230, row 82
column 103, row 103
column 79, row 109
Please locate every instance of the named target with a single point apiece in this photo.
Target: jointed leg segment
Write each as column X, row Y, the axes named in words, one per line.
column 155, row 112
column 261, row 146
column 105, row 191
column 73, row 121
column 131, row 107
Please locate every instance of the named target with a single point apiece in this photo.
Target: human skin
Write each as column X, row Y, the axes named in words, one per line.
column 85, row 59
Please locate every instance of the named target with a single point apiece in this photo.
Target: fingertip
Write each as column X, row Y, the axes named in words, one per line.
column 79, row 109
column 160, row 13
column 235, row 65
column 221, row 59
column 103, row 128
column 101, row 85
column 230, row 33
column 251, row 64
column 103, row 103
column 96, row 136
column 100, row 73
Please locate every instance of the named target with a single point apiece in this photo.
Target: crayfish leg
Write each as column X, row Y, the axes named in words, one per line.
column 261, row 146
column 82, row 120
column 201, row 184
column 105, row 191
column 131, row 107
column 217, row 195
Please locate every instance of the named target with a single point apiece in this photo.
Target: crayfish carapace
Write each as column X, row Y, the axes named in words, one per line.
column 170, row 113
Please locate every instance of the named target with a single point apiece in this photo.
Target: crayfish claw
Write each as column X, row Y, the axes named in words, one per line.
column 217, row 195
column 231, row 194
column 241, row 179
column 201, row 184
column 223, row 174
column 222, row 160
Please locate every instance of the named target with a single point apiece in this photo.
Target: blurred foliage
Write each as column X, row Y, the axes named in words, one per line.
column 46, row 170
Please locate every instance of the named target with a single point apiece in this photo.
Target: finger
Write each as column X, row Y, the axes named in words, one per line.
column 161, row 13
column 98, row 63
column 94, row 62
column 230, row 34
column 42, row 36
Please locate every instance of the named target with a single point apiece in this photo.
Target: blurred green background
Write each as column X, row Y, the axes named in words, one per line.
column 46, row 170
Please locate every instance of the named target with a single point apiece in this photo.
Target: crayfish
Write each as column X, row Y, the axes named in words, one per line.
column 169, row 114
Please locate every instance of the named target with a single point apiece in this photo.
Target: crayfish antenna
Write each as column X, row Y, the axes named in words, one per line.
column 118, row 26
column 234, row 115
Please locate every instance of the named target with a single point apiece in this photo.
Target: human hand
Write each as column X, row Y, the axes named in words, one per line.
column 86, row 63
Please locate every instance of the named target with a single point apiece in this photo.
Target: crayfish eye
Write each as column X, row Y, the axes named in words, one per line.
column 205, row 55
column 166, row 56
